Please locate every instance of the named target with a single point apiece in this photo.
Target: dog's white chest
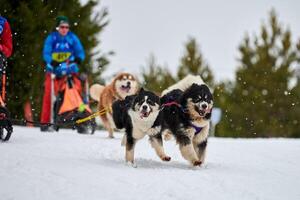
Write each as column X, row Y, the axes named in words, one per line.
column 203, row 134
column 137, row 133
column 141, row 126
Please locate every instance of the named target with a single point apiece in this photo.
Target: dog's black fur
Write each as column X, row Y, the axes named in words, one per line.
column 177, row 118
column 122, row 116
column 196, row 91
column 120, row 111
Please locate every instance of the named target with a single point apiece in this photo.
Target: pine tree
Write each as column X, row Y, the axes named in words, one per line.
column 156, row 78
column 295, row 95
column 31, row 22
column 192, row 62
column 260, row 101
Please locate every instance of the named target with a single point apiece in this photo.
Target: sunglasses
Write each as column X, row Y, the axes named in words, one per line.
column 64, row 27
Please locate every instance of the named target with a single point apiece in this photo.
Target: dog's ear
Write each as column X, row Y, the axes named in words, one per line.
column 129, row 98
column 207, row 91
column 195, row 85
column 141, row 90
column 188, row 92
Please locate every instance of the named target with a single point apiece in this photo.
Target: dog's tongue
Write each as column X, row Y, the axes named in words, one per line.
column 125, row 88
column 201, row 112
column 144, row 114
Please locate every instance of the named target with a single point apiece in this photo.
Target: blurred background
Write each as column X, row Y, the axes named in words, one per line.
column 247, row 52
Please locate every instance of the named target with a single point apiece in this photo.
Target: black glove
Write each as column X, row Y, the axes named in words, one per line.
column 78, row 60
column 54, row 63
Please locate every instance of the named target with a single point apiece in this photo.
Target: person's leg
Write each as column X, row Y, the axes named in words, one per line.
column 3, row 65
column 2, row 62
column 46, row 107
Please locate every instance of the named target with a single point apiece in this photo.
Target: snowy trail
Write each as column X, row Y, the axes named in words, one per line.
column 66, row 165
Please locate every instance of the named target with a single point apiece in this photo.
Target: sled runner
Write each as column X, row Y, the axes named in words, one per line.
column 69, row 105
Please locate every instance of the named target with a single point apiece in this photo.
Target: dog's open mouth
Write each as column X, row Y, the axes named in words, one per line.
column 144, row 114
column 125, row 88
column 200, row 112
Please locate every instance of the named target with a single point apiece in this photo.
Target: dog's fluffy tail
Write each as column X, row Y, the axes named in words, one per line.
column 95, row 91
column 184, row 83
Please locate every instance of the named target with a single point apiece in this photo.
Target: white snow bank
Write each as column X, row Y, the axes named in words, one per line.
column 66, row 165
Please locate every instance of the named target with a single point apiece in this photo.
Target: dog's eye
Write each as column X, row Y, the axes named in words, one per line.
column 197, row 100
column 150, row 102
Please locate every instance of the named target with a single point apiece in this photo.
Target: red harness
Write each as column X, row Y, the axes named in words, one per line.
column 171, row 103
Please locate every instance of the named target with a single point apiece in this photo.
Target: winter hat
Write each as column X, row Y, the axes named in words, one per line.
column 61, row 20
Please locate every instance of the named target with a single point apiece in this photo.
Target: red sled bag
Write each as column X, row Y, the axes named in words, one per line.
column 69, row 106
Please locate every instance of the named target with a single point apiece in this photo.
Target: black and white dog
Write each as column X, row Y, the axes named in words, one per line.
column 186, row 115
column 139, row 115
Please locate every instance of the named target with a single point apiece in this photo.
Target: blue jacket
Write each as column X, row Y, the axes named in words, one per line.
column 61, row 48
column 2, row 22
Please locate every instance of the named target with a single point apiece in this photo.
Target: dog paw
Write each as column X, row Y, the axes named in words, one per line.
column 111, row 136
column 131, row 164
column 166, row 158
column 153, row 131
column 197, row 163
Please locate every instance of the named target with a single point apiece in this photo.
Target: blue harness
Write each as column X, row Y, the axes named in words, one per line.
column 197, row 128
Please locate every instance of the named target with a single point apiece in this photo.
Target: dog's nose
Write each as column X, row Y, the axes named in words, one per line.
column 145, row 107
column 204, row 106
column 128, row 83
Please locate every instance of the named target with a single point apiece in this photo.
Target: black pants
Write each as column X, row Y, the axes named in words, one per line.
column 3, row 65
column 3, row 62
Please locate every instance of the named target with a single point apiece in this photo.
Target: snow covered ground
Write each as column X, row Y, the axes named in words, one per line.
column 66, row 165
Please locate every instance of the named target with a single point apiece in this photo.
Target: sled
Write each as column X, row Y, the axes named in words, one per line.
column 69, row 106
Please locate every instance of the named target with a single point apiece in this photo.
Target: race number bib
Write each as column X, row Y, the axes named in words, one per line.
column 60, row 56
